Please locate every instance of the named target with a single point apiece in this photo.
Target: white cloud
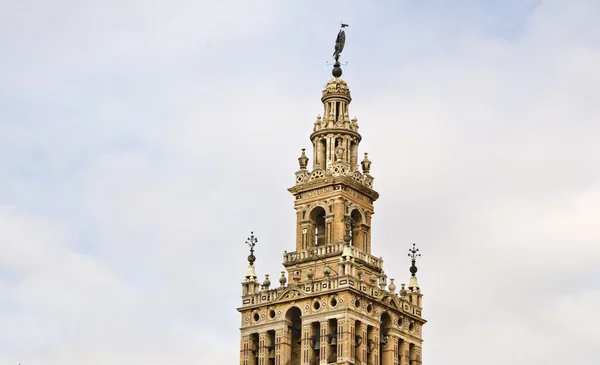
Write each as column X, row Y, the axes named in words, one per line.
column 140, row 143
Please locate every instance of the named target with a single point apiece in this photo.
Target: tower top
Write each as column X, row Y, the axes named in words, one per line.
column 339, row 47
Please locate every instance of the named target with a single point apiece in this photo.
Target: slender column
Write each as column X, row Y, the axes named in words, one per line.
column 245, row 349
column 389, row 351
column 376, row 349
column 415, row 355
column 327, row 151
column 361, row 350
column 325, row 348
column 352, row 340
column 370, row 346
column 396, row 343
column 340, row 339
column 329, row 228
column 299, row 229
column 306, row 348
column 345, row 339
column 263, row 350
column 339, row 227
column 368, row 231
column 316, row 153
column 404, row 352
column 283, row 346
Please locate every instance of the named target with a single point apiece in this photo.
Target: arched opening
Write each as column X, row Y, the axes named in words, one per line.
column 317, row 218
column 357, row 230
column 360, row 341
column 322, row 153
column 294, row 318
column 333, row 341
column 315, row 343
column 271, row 347
column 412, row 354
column 370, row 345
column 386, row 347
column 402, row 356
column 253, row 347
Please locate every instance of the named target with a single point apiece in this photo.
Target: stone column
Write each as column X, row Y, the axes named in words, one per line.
column 415, row 355
column 306, row 347
column 346, row 339
column 373, row 346
column 340, row 339
column 299, row 228
column 404, row 352
column 328, row 154
column 263, row 350
column 389, row 351
column 325, row 348
column 361, row 350
column 377, row 348
column 368, row 232
column 339, row 227
column 283, row 346
column 352, row 340
column 329, row 227
column 245, row 349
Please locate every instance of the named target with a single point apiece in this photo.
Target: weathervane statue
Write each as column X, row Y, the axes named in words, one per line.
column 339, row 47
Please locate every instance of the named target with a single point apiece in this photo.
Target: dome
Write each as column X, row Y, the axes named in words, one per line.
column 336, row 87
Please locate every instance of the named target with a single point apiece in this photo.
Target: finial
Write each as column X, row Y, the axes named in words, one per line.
column 267, row 283
column 392, row 286
column 413, row 254
column 303, row 160
column 339, row 47
column 282, row 279
column 366, row 164
column 403, row 291
column 251, row 242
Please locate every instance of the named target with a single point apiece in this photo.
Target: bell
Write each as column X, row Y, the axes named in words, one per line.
column 383, row 339
column 272, row 354
column 358, row 340
column 317, row 346
column 333, row 341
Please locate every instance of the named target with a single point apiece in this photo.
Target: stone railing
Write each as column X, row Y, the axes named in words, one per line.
column 332, row 249
column 338, row 169
column 318, row 251
column 323, row 285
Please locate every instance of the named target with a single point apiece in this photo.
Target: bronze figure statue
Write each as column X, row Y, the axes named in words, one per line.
column 339, row 43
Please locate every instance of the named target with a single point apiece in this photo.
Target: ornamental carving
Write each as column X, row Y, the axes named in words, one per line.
column 316, row 192
column 340, row 168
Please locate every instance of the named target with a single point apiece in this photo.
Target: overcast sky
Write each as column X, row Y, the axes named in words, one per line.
column 141, row 142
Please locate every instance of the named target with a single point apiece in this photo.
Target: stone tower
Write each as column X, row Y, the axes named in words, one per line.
column 333, row 304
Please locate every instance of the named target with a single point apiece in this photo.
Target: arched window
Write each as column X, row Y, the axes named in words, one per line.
column 386, row 347
column 317, row 218
column 358, row 236
column 294, row 320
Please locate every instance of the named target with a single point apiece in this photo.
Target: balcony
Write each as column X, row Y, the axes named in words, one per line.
column 330, row 250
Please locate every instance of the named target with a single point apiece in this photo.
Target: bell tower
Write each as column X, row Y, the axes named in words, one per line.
column 334, row 304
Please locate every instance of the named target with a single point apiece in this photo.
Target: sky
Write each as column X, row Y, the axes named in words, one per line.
column 142, row 141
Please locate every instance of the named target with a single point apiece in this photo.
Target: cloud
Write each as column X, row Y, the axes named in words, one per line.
column 140, row 143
